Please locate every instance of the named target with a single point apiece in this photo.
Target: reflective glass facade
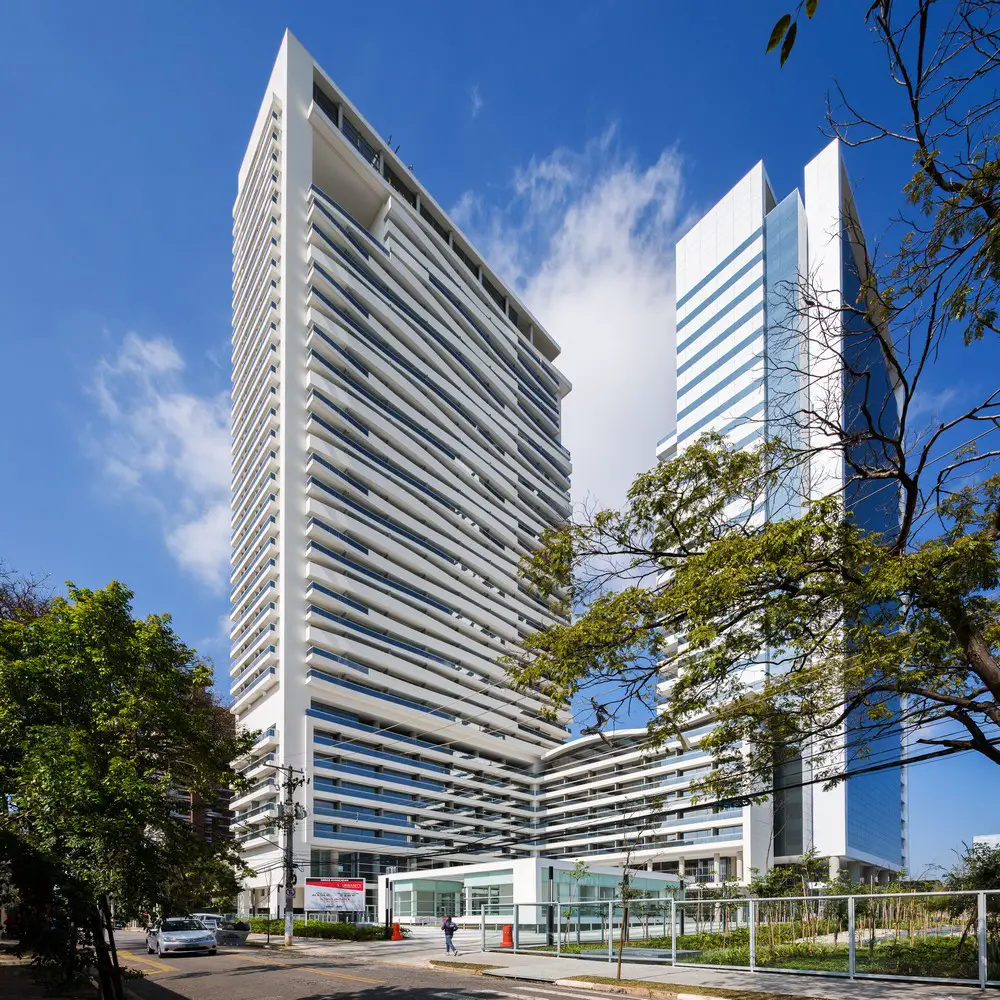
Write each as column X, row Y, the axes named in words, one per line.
column 873, row 799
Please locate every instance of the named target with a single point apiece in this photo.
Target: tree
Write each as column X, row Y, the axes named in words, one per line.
column 977, row 868
column 20, row 597
column 857, row 634
column 101, row 714
column 579, row 873
column 650, row 813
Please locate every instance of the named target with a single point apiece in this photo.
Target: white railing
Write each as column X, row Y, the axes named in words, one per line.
column 949, row 937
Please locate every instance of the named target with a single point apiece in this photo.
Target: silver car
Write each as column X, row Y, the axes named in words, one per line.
column 179, row 934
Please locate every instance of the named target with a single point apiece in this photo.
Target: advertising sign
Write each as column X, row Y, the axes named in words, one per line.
column 335, row 894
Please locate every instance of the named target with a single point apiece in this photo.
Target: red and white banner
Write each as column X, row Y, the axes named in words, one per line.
column 335, row 894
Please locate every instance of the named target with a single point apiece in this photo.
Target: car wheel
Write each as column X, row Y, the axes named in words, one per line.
column 213, row 951
column 159, row 952
column 149, row 951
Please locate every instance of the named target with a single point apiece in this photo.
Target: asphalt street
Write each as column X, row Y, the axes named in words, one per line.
column 255, row 974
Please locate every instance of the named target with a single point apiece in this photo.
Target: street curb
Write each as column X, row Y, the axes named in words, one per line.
column 633, row 991
column 577, row 985
column 432, row 967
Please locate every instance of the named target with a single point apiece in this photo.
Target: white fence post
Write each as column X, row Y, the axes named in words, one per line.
column 482, row 925
column 611, row 928
column 558, row 929
column 673, row 931
column 517, row 925
column 983, row 967
column 753, row 935
column 850, row 936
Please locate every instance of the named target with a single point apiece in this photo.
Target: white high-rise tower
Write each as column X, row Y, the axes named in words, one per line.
column 396, row 449
column 746, row 365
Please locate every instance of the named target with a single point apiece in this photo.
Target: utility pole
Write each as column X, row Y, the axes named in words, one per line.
column 288, row 812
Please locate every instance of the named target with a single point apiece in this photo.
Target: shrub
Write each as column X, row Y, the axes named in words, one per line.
column 339, row 930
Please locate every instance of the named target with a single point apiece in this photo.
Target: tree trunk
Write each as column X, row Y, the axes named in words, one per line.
column 108, row 974
column 109, row 922
column 105, row 977
column 621, row 938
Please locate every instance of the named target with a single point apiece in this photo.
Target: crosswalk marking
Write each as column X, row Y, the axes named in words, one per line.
column 156, row 966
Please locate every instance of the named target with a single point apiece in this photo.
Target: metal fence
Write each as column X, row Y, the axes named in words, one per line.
column 948, row 937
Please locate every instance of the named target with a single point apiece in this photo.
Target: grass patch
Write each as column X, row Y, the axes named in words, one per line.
column 474, row 967
column 938, row 958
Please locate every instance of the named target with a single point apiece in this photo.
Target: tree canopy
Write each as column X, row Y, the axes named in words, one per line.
column 755, row 587
column 102, row 716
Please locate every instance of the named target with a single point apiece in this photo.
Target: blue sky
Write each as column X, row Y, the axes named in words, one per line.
column 575, row 138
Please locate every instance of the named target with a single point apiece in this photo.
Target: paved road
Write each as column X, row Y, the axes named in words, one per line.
column 255, row 974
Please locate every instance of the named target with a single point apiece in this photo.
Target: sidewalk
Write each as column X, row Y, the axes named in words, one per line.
column 554, row 970
column 423, row 948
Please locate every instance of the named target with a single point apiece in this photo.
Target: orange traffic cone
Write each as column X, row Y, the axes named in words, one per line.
column 397, row 934
column 507, row 941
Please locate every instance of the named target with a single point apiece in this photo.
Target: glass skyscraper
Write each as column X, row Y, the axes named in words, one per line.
column 747, row 366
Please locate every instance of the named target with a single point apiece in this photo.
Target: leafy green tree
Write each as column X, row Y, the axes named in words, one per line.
column 855, row 632
column 853, row 621
column 101, row 715
column 977, row 868
column 579, row 873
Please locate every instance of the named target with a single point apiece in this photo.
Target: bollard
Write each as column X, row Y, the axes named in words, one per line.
column 397, row 934
column 507, row 941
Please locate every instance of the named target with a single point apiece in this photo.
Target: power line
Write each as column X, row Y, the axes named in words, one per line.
column 389, row 729
column 645, row 794
column 921, row 759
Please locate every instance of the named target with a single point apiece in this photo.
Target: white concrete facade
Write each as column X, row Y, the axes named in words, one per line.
column 396, row 423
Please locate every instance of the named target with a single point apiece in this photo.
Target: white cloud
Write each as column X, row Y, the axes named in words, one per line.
column 476, row 100
column 588, row 239
column 202, row 545
column 169, row 447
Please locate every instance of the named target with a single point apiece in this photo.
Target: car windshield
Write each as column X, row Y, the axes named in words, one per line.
column 182, row 925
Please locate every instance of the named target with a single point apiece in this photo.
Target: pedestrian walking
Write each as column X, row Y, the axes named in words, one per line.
column 449, row 927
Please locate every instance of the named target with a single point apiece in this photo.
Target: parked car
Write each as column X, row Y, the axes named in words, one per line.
column 178, row 934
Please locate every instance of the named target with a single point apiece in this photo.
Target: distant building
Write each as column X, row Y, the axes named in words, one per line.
column 211, row 820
